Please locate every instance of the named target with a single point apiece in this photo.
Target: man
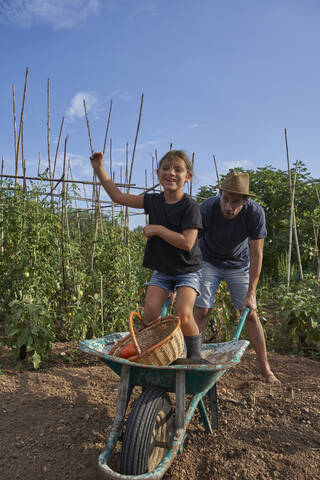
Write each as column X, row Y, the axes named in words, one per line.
column 234, row 229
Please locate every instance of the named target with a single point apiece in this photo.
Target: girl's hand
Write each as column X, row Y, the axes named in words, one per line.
column 97, row 160
column 150, row 230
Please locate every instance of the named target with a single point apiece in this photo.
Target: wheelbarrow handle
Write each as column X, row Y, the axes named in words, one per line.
column 165, row 307
column 241, row 323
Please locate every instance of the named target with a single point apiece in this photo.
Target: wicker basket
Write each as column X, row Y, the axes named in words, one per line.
column 158, row 343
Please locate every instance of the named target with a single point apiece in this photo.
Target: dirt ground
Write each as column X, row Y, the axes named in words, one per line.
column 55, row 421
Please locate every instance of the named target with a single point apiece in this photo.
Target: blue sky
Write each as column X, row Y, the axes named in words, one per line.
column 219, row 78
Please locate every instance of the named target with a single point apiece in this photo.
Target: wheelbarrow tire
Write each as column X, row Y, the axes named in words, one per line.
column 148, row 434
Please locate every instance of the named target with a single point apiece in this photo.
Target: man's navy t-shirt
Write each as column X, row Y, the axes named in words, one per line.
column 224, row 243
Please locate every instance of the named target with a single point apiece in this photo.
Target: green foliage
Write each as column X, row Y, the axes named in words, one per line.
column 223, row 316
column 299, row 311
column 29, row 325
column 50, row 284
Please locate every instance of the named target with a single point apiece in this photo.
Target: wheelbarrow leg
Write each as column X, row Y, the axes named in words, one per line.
column 213, row 401
column 117, row 425
column 204, row 416
column 180, row 406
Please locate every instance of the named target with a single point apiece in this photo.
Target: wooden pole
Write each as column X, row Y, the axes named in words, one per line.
column 291, row 213
column 127, row 182
column 146, row 185
column 2, row 168
column 101, row 305
column 192, row 163
column 48, row 135
column 15, row 131
column 23, row 162
column 296, row 235
column 63, row 220
column 39, row 162
column 57, row 149
column 290, row 230
column 135, row 143
column 91, row 148
column 107, row 128
column 217, row 174
column 21, row 116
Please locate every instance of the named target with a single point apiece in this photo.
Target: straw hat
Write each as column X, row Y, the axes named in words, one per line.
column 236, row 183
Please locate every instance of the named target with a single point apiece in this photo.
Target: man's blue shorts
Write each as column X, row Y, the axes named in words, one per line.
column 171, row 282
column 210, row 277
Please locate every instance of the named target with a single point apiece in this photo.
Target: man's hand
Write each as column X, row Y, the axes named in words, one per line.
column 97, row 160
column 150, row 231
column 250, row 301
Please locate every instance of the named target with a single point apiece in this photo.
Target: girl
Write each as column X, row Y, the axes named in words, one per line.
column 172, row 250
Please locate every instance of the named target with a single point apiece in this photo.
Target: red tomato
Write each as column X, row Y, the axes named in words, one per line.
column 128, row 351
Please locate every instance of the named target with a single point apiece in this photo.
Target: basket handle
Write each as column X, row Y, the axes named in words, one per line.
column 133, row 335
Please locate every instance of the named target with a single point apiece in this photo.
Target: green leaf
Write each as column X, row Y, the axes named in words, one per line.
column 36, row 360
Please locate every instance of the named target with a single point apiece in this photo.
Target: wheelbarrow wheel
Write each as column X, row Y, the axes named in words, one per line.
column 148, row 434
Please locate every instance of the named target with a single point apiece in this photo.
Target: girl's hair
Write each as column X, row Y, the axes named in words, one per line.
column 177, row 154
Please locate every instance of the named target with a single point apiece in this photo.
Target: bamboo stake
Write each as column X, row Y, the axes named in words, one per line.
column 39, row 162
column 111, row 176
column 48, row 134
column 135, row 143
column 91, row 146
column 107, row 128
column 15, row 130
column 21, row 117
column 215, row 164
column 127, row 182
column 101, row 305
column 62, row 220
column 146, row 185
column 2, row 168
column 57, row 149
column 77, row 213
column 23, row 161
column 316, row 248
column 153, row 177
column 294, row 215
column 290, row 229
column 192, row 163
column 296, row 237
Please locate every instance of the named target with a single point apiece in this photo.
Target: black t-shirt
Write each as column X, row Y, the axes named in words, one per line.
column 160, row 255
column 224, row 242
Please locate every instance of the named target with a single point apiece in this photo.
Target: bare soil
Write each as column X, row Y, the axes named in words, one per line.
column 55, row 421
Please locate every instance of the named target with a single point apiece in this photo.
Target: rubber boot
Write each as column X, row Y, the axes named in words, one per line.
column 193, row 345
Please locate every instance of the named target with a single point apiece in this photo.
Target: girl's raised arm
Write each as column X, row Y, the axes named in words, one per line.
column 134, row 201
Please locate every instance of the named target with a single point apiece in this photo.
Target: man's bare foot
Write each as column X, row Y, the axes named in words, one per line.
column 271, row 378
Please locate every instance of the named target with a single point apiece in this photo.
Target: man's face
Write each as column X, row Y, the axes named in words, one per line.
column 231, row 204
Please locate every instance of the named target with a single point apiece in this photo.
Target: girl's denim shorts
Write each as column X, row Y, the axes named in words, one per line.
column 170, row 283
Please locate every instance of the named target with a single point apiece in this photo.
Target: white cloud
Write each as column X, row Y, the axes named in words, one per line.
column 144, row 7
column 76, row 108
column 239, row 163
column 60, row 14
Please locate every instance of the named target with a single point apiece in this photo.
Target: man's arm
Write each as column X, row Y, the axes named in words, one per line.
column 256, row 256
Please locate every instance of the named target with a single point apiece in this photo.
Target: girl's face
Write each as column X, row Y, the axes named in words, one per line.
column 173, row 174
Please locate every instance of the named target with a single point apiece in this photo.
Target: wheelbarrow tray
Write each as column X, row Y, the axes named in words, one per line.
column 221, row 356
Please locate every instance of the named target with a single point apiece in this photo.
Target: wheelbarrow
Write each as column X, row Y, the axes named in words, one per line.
column 155, row 430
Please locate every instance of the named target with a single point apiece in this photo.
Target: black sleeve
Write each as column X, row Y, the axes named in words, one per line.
column 192, row 217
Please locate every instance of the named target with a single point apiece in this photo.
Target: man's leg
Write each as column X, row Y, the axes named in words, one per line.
column 238, row 281
column 256, row 337
column 210, row 277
